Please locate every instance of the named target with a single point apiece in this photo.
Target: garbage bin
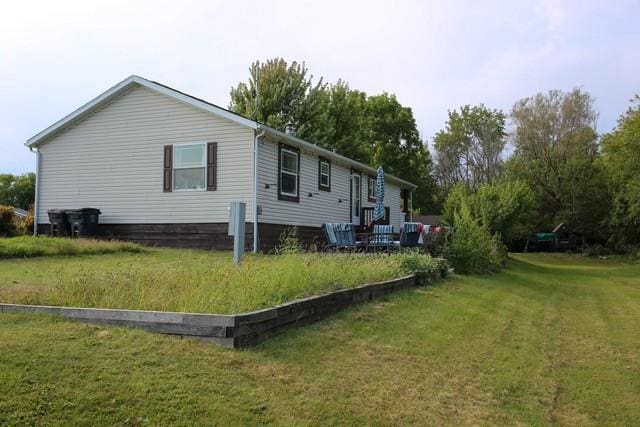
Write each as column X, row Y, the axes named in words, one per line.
column 59, row 223
column 83, row 222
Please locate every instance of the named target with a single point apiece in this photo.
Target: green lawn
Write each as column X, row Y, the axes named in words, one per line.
column 553, row 339
column 184, row 280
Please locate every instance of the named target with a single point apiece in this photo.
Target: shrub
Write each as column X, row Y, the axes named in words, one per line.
column 7, row 221
column 426, row 268
column 505, row 207
column 24, row 226
column 473, row 249
column 437, row 241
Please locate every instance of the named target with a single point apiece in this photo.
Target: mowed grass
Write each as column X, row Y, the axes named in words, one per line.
column 184, row 280
column 553, row 339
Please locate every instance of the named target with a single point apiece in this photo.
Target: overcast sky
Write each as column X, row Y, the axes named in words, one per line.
column 55, row 56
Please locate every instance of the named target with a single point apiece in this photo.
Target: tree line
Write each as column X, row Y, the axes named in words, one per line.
column 18, row 191
column 527, row 170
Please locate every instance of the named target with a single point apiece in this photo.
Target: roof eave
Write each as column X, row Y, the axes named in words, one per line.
column 114, row 91
column 331, row 154
column 79, row 112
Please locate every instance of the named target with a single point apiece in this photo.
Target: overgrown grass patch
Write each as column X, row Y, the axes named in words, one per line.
column 30, row 246
column 192, row 280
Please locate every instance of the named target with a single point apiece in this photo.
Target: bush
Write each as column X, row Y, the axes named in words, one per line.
column 7, row 221
column 505, row 207
column 24, row 226
column 437, row 241
column 11, row 225
column 473, row 249
column 426, row 268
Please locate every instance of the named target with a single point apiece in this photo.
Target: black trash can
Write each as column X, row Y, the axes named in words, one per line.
column 60, row 226
column 83, row 222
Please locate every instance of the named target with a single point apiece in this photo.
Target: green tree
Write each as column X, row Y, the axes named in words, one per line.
column 395, row 144
column 470, row 148
column 555, row 153
column 340, row 122
column 621, row 165
column 278, row 94
column 18, row 190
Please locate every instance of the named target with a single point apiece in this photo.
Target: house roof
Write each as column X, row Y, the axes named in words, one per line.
column 110, row 94
column 20, row 212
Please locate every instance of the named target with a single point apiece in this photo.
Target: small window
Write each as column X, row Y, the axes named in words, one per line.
column 324, row 174
column 189, row 167
column 288, row 175
column 371, row 189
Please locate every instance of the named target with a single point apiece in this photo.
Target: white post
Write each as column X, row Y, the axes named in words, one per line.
column 237, row 212
column 36, row 201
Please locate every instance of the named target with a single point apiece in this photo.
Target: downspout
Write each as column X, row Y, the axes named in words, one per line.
column 36, row 203
column 256, row 142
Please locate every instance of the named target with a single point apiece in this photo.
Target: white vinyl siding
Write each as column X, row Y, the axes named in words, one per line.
column 113, row 161
column 323, row 206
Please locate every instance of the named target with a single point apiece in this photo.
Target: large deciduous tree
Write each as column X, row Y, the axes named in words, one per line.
column 555, row 151
column 277, row 94
column 470, row 148
column 621, row 163
column 395, row 144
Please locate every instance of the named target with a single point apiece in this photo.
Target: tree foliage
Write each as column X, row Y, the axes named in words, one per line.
column 470, row 148
column 473, row 248
column 555, row 148
column 505, row 207
column 621, row 164
column 277, row 94
column 17, row 190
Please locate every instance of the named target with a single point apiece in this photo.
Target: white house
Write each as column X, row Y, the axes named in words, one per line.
column 162, row 166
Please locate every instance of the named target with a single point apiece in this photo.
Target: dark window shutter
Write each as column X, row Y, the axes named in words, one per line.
column 168, row 168
column 212, row 165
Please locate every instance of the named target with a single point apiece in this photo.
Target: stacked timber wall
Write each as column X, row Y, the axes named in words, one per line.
column 235, row 330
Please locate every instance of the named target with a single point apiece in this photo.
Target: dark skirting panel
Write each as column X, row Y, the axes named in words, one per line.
column 201, row 235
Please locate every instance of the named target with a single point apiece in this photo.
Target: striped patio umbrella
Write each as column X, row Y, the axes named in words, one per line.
column 378, row 211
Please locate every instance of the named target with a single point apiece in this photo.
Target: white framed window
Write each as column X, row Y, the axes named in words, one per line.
column 371, row 189
column 288, row 174
column 189, row 167
column 324, row 174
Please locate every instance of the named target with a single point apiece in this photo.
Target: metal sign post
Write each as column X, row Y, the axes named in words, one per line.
column 237, row 211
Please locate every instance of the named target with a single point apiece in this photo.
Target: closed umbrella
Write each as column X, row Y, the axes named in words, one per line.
column 378, row 211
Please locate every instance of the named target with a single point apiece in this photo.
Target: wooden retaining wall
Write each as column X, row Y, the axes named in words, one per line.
column 235, row 330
